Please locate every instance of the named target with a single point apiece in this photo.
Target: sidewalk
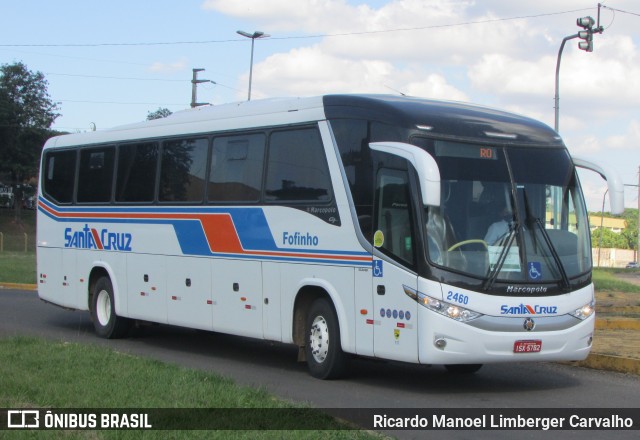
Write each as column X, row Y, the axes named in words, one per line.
column 616, row 345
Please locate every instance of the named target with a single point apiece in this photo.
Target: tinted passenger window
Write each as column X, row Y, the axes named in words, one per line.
column 137, row 172
column 297, row 169
column 353, row 142
column 59, row 175
column 236, row 168
column 182, row 170
column 95, row 178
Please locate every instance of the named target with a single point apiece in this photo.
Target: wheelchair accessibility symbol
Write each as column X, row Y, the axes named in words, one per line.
column 535, row 270
column 377, row 268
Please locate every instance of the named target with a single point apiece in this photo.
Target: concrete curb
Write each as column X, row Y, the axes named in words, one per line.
column 624, row 310
column 595, row 360
column 610, row 363
column 18, row 286
column 617, row 324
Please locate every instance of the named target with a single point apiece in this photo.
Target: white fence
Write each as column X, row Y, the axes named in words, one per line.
column 611, row 257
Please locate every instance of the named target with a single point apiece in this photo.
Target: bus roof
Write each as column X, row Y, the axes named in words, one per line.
column 437, row 118
column 443, row 118
column 205, row 119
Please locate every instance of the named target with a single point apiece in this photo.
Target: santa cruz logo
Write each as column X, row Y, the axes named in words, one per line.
column 91, row 238
column 525, row 309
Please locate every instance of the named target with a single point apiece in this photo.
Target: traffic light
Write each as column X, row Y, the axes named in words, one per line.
column 587, row 34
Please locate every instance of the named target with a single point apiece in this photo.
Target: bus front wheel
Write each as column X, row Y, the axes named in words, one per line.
column 103, row 312
column 325, row 357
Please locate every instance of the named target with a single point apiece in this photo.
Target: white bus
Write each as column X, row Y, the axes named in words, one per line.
column 343, row 224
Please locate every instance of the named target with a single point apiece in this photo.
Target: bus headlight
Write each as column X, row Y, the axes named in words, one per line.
column 449, row 310
column 585, row 311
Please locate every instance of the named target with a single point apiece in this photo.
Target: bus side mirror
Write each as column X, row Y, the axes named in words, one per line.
column 615, row 184
column 423, row 162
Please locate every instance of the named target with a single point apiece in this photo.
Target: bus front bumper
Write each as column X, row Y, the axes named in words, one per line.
column 446, row 341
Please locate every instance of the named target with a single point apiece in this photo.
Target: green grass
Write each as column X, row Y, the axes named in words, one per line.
column 605, row 280
column 18, row 267
column 35, row 373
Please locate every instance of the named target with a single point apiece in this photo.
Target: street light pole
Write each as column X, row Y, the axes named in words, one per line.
column 256, row 34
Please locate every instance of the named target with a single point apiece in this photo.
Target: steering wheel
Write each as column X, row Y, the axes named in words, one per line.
column 462, row 243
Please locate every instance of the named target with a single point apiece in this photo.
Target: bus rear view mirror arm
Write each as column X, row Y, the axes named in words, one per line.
column 615, row 184
column 423, row 162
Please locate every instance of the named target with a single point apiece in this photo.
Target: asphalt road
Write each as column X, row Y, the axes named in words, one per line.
column 372, row 384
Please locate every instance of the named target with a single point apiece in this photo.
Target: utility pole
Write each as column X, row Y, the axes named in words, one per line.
column 638, row 244
column 194, row 91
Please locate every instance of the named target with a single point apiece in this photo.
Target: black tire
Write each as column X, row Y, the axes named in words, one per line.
column 463, row 368
column 103, row 311
column 325, row 358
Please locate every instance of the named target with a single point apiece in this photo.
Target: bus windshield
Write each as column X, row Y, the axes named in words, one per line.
column 508, row 214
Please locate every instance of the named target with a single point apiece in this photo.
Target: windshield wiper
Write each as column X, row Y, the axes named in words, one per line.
column 563, row 273
column 556, row 258
column 501, row 258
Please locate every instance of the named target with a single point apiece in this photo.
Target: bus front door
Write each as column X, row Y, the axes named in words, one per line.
column 395, row 323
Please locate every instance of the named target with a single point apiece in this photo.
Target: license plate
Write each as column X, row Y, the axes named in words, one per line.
column 534, row 346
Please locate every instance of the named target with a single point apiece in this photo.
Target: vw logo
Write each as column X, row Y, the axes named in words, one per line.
column 529, row 324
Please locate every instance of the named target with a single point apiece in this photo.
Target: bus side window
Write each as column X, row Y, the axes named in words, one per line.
column 297, row 168
column 95, row 178
column 353, row 143
column 137, row 164
column 59, row 178
column 182, row 170
column 236, row 168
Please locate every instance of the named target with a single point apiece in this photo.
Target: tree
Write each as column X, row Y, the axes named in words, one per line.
column 627, row 239
column 26, row 115
column 609, row 239
column 158, row 114
column 630, row 233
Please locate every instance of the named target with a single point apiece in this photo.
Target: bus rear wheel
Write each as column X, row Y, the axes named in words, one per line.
column 103, row 312
column 325, row 358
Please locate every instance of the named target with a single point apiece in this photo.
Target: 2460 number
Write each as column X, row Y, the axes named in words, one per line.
column 457, row 298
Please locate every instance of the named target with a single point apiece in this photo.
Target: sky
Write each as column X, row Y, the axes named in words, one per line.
column 111, row 63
